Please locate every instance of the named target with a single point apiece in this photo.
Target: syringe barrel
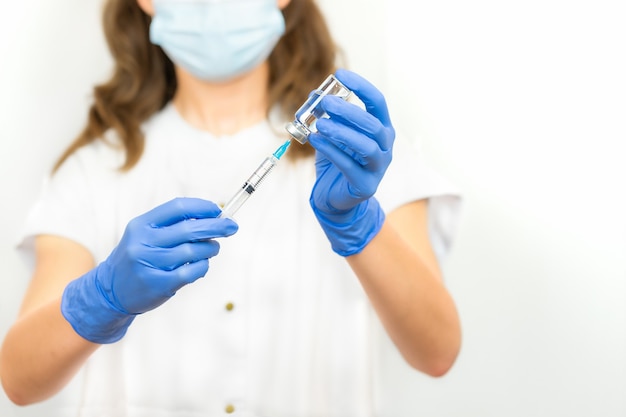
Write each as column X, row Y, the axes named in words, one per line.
column 250, row 186
column 236, row 202
column 261, row 172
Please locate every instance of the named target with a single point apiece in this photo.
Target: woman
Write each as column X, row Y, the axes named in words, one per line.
column 284, row 323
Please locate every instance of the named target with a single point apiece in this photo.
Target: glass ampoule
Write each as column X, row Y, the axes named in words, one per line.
column 308, row 114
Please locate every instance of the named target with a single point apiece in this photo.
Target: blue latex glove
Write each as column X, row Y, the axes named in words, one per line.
column 353, row 150
column 160, row 252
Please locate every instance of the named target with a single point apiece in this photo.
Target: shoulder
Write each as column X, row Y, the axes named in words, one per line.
column 411, row 176
column 107, row 153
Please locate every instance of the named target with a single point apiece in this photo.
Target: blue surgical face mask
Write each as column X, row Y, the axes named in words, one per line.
column 217, row 40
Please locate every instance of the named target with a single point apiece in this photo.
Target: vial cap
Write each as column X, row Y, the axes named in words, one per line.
column 297, row 133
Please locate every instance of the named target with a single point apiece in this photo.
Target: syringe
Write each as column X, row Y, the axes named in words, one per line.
column 253, row 182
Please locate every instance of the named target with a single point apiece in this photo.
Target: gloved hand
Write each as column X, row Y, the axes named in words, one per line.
column 353, row 150
column 160, row 252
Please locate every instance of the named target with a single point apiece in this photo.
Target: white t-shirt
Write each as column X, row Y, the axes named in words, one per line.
column 279, row 326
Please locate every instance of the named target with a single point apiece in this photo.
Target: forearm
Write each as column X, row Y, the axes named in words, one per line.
column 414, row 306
column 40, row 354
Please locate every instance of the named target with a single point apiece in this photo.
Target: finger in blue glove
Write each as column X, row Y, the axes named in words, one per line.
column 160, row 252
column 353, row 151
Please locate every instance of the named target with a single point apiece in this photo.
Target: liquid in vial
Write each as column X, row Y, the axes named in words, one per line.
column 308, row 114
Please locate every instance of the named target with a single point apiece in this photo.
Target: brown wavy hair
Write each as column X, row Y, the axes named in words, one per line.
column 143, row 79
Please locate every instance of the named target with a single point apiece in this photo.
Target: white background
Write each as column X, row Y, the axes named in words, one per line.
column 522, row 104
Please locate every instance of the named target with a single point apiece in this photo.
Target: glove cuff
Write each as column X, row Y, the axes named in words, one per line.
column 85, row 307
column 350, row 232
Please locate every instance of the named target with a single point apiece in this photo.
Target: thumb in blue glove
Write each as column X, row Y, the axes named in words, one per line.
column 160, row 252
column 353, row 151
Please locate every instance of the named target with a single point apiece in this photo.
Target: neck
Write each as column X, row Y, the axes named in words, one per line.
column 223, row 108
